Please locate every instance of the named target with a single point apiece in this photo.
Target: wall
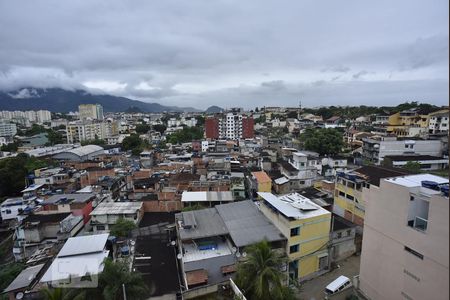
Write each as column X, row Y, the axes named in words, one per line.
column 387, row 270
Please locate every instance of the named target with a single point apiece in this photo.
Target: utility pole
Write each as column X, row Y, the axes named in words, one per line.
column 124, row 292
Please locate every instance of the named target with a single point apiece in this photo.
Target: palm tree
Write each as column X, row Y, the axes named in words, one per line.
column 114, row 275
column 58, row 294
column 260, row 275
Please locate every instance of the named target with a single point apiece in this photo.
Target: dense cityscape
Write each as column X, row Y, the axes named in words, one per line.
column 224, row 150
column 179, row 203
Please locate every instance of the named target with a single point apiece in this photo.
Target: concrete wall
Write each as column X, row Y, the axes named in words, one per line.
column 212, row 266
column 388, row 271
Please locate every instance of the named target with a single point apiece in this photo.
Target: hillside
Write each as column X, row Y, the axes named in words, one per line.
column 60, row 100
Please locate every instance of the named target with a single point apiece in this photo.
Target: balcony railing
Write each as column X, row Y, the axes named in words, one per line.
column 418, row 223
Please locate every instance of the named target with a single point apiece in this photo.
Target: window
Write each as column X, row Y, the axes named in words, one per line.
column 339, row 235
column 295, row 231
column 100, row 227
column 413, row 252
column 341, row 194
column 294, row 248
column 349, row 197
column 8, row 211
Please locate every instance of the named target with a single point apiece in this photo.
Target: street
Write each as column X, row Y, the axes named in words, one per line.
column 314, row 288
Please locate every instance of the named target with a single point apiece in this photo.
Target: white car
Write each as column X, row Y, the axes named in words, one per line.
column 339, row 284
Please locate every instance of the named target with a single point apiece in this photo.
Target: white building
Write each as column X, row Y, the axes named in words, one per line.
column 108, row 213
column 8, row 129
column 438, row 122
column 79, row 131
column 40, row 116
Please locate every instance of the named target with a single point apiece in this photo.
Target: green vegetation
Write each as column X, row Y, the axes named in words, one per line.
column 122, row 228
column 160, row 128
column 412, row 166
column 135, row 144
column 260, row 276
column 187, row 134
column 97, row 141
column 193, row 207
column 323, row 140
column 12, row 147
column 260, row 120
column 142, row 128
column 13, row 171
column 363, row 110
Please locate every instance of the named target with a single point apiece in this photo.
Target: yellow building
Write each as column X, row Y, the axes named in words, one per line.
column 351, row 187
column 406, row 123
column 306, row 225
column 263, row 182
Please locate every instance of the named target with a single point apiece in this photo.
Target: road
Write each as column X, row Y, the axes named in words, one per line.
column 314, row 288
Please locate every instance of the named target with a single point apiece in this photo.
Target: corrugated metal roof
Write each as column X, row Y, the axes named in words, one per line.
column 246, row 224
column 84, row 245
column 119, row 208
column 207, row 196
column 86, row 150
column 208, row 224
column 25, row 278
column 294, row 205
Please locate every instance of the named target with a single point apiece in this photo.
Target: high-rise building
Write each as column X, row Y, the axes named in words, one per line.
column 231, row 126
column 90, row 130
column 7, row 129
column 406, row 239
column 90, row 111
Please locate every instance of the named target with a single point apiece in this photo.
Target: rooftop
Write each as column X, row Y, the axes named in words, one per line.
column 84, row 245
column 25, row 278
column 416, row 180
column 206, row 223
column 47, row 218
column 116, row 208
column 69, row 198
column 376, row 173
column 413, row 157
column 246, row 224
column 226, row 196
column 294, row 205
column 261, row 177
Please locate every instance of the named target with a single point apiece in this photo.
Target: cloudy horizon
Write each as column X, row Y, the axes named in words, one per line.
column 230, row 53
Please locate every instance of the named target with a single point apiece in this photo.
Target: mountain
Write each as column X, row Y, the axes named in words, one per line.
column 60, row 100
column 213, row 109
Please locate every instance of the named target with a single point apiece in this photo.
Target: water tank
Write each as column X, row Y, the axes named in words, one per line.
column 430, row 185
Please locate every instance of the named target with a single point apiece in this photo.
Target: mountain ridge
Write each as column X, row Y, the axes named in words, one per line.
column 62, row 100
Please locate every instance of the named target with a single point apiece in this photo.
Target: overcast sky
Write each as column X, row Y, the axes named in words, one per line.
column 231, row 53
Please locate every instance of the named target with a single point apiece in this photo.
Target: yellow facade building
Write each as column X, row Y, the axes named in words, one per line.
column 351, row 188
column 263, row 182
column 306, row 225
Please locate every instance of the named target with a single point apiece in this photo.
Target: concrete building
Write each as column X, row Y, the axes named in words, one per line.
column 406, row 239
column 106, row 214
column 88, row 152
column 7, row 129
column 211, row 241
column 206, row 199
column 231, row 126
column 426, row 162
column 27, row 117
column 301, row 169
column 438, row 122
column 79, row 131
column 306, row 225
column 90, row 111
column 261, row 182
column 375, row 149
column 350, row 190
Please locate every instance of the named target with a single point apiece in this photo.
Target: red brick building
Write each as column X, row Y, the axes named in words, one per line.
column 212, row 128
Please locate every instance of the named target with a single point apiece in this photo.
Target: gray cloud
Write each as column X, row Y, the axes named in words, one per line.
column 196, row 53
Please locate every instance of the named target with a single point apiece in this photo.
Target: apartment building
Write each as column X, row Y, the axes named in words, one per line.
column 79, row 131
column 350, row 190
column 300, row 169
column 406, row 239
column 376, row 148
column 90, row 111
column 230, row 126
column 31, row 116
column 438, row 122
column 262, row 182
column 7, row 129
column 306, row 225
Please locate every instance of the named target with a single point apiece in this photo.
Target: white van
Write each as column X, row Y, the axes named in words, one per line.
column 339, row 284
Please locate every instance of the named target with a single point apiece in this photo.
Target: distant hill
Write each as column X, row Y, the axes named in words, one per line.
column 214, row 109
column 60, row 100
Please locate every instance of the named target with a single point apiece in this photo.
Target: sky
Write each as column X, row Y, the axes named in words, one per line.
column 231, row 53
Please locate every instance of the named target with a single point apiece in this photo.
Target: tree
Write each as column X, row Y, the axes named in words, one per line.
column 59, row 294
column 200, row 120
column 323, row 140
column 11, row 147
column 160, row 128
column 54, row 137
column 412, row 166
column 132, row 142
column 142, row 128
column 117, row 273
column 187, row 134
column 292, row 115
column 122, row 228
column 260, row 275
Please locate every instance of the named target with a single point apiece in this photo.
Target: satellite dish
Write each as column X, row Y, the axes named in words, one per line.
column 132, row 243
column 244, row 254
column 179, row 256
column 234, row 249
column 238, row 254
column 172, row 243
column 19, row 295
